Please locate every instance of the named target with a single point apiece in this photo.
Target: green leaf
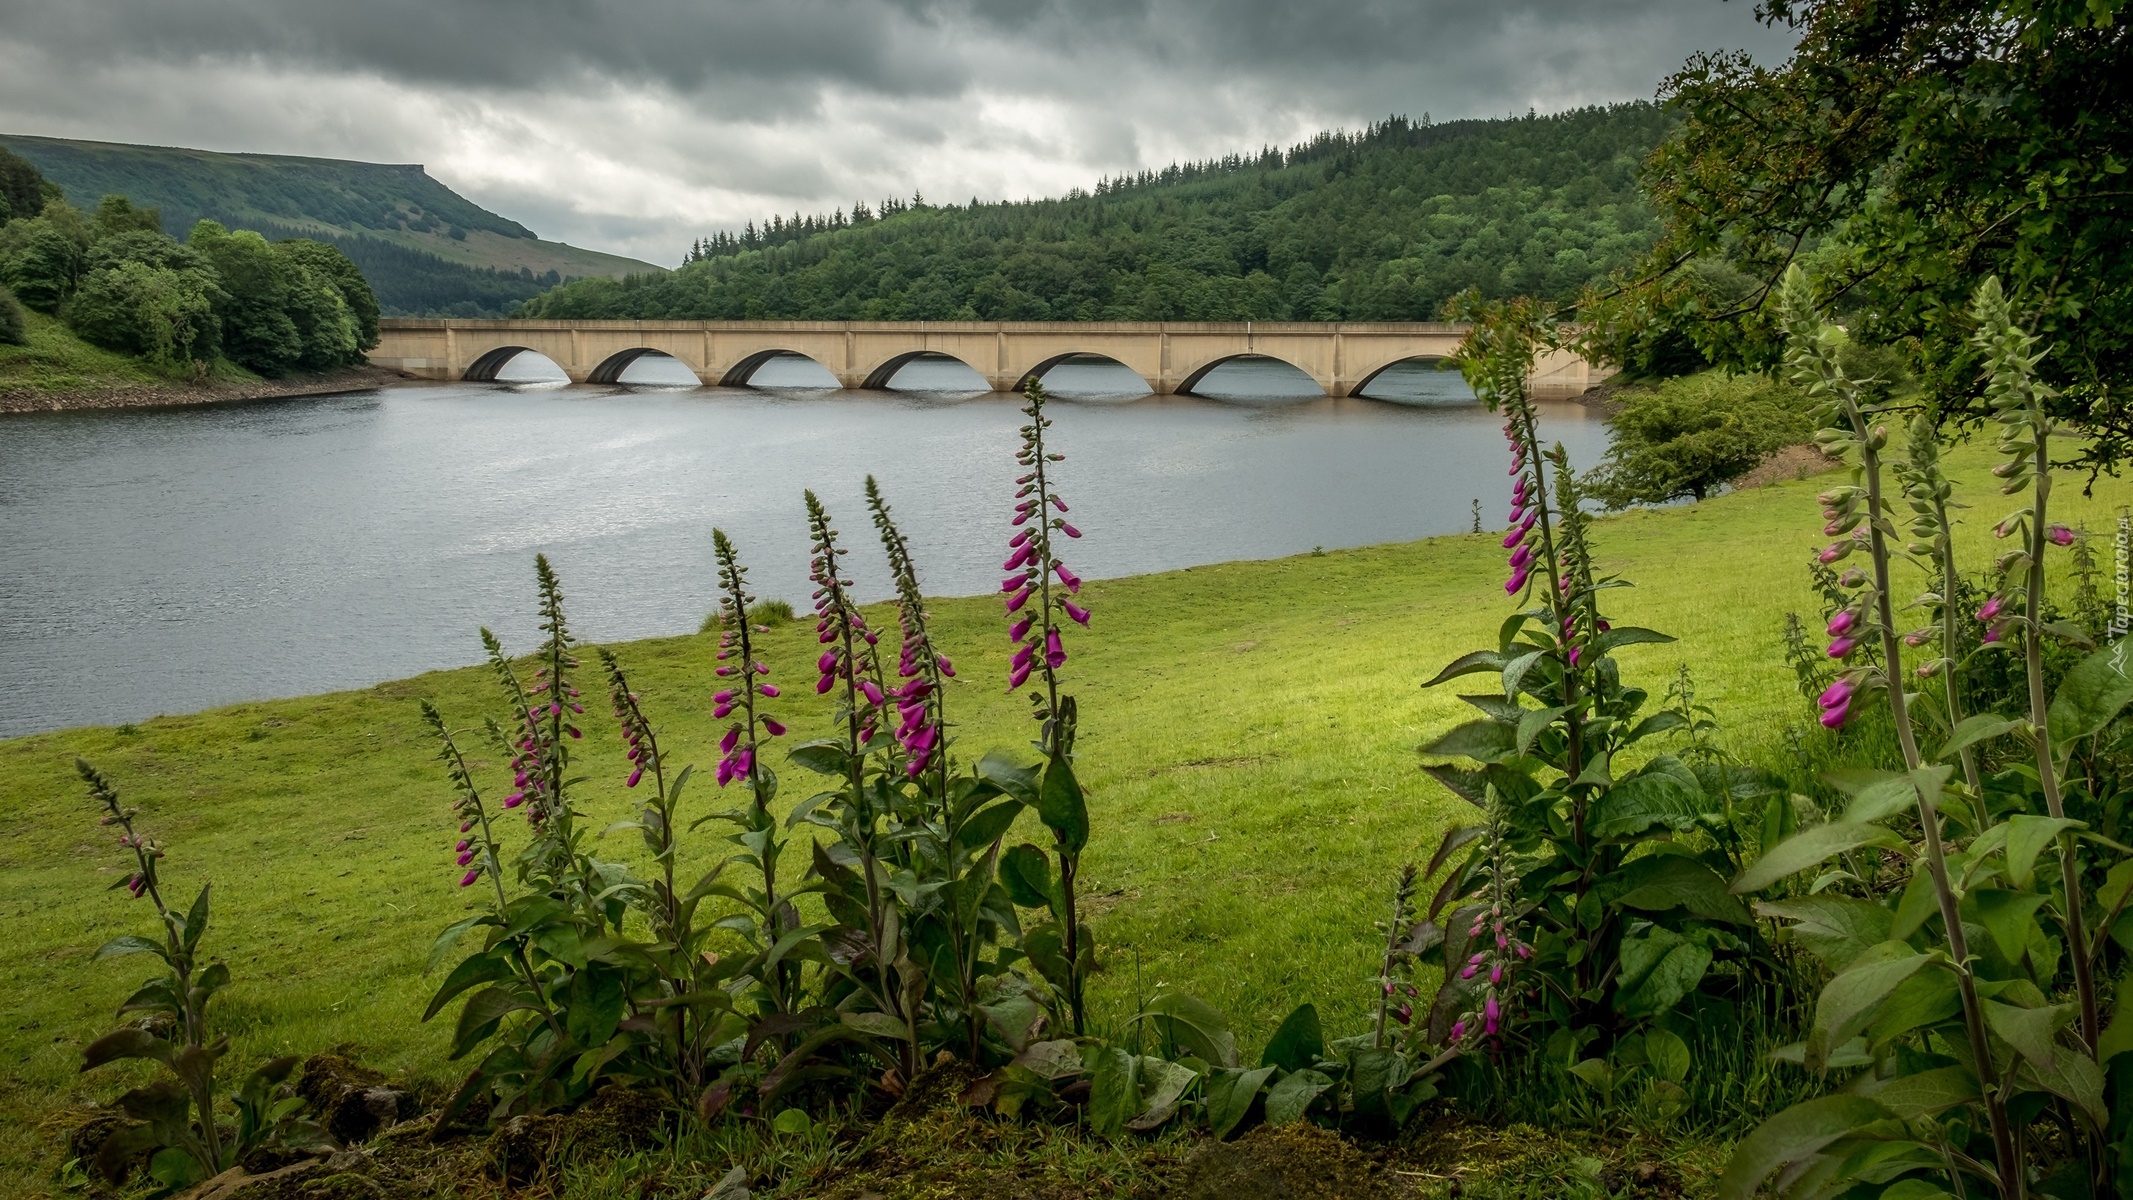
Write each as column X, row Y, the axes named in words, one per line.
column 1482, row 740
column 2029, row 1030
column 1298, row 1043
column 2007, row 916
column 1886, row 796
column 483, row 1011
column 1926, row 1093
column 486, row 967
column 991, row 824
column 1468, row 664
column 1009, row 776
column 2118, row 1036
column 1980, row 728
column 1454, row 838
column 1163, row 1084
column 1114, row 1094
column 1666, row 792
column 1627, row 635
column 1849, row 1001
column 1531, row 723
column 1668, row 1055
column 1666, row 969
column 1194, row 1026
column 450, row 937
column 196, row 920
column 2092, row 694
column 1808, row 848
column 2027, row 836
column 1026, row 873
column 131, row 1042
column 127, row 943
column 1658, row 882
column 1230, row 1093
column 1834, row 929
column 1793, row 1136
column 1061, row 807
column 822, row 756
column 1292, row 1094
column 1926, row 998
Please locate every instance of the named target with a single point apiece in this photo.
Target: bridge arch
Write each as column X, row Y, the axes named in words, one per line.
column 742, row 372
column 1043, row 367
column 877, row 379
column 484, row 369
column 1190, row 384
column 1439, row 362
column 611, row 368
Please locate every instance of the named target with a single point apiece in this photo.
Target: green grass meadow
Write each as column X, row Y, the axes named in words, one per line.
column 1247, row 738
column 55, row 362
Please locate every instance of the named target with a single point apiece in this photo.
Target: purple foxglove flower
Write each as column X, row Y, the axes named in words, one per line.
column 470, row 877
column 1054, row 650
column 947, row 668
column 1518, row 513
column 1458, row 1030
column 1015, row 631
column 1059, row 504
column 1842, row 647
column 634, row 777
column 1016, row 601
column 1496, row 973
column 1842, row 621
column 825, row 664
column 744, row 760
column 916, row 766
column 923, row 741
column 1992, row 609
column 1514, row 537
column 1069, row 530
column 1071, row 580
column 1521, row 556
column 1837, row 694
column 722, row 712
column 732, row 739
column 775, row 728
column 2060, row 535
column 1834, row 551
column 1991, row 635
column 1017, row 677
column 870, row 691
column 1467, row 972
column 1404, row 1014
column 1019, row 538
column 770, row 690
column 1834, row 716
column 462, row 844
column 1492, row 1011
column 1075, row 611
column 1013, row 582
column 1515, row 583
column 466, row 857
column 1019, row 557
column 1525, row 951
column 514, row 799
column 725, row 771
column 1575, row 652
column 824, row 684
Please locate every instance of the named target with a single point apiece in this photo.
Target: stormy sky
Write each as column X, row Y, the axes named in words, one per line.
column 634, row 126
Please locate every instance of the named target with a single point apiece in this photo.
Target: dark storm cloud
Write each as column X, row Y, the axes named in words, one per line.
column 637, row 124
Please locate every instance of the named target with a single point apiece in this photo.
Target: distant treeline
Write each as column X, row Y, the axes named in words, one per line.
column 416, row 283
column 119, row 281
column 1385, row 224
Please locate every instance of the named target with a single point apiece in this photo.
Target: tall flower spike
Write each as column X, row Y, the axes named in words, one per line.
column 848, row 656
column 743, row 674
column 920, row 728
column 1034, row 571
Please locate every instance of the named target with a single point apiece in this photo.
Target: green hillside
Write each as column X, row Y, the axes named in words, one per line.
column 1382, row 225
column 425, row 248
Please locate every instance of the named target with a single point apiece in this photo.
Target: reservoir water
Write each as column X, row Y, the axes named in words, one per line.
column 170, row 560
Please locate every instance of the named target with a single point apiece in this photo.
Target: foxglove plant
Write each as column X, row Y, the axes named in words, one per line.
column 1930, row 493
column 744, row 678
column 921, row 728
column 1039, row 590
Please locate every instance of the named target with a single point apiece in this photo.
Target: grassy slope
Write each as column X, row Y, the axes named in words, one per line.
column 1247, row 736
column 315, row 194
column 57, row 361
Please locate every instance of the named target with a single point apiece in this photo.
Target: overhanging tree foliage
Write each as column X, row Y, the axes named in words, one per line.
column 1908, row 149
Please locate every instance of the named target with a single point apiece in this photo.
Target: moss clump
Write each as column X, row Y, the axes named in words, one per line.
column 1290, row 1162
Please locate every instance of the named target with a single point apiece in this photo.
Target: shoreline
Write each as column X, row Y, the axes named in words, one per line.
column 185, row 395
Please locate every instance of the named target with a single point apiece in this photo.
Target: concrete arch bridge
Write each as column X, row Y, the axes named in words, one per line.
column 1343, row 358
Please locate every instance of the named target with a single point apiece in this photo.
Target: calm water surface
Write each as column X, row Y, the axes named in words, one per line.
column 167, row 561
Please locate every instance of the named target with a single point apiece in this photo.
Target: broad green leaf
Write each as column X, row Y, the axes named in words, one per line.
column 1913, row 1188
column 1658, row 970
column 1299, row 1042
column 1482, row 740
column 2029, row 1030
column 1919, row 903
column 1114, row 1095
column 1230, row 1093
column 1882, row 799
column 1454, row 838
column 2027, row 836
column 1974, row 729
column 990, row 824
column 2077, row 1077
column 1925, row 1093
column 483, row 1011
column 128, row 943
column 2118, row 1035
column 1009, row 776
column 196, row 920
column 1849, row 1001
column 130, row 1042
column 450, row 937
column 1530, row 725
column 2092, row 694
column 876, row 1024
column 822, row 756
column 2007, row 916
column 1194, row 1026
column 1808, row 848
column 1026, row 873
column 1659, row 882
column 1793, row 1136
column 1627, row 635
column 1061, row 807
column 1667, row 1054
column 1665, row 793
column 486, row 967
column 1468, row 664
column 1834, row 929
column 1163, row 1084
column 1926, row 998
column 1292, row 1094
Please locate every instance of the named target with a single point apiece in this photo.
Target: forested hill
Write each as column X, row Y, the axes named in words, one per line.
column 425, row 248
column 1383, row 225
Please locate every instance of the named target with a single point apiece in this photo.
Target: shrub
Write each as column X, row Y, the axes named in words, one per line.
column 1692, row 436
column 14, row 325
column 257, row 332
column 42, row 271
column 161, row 315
